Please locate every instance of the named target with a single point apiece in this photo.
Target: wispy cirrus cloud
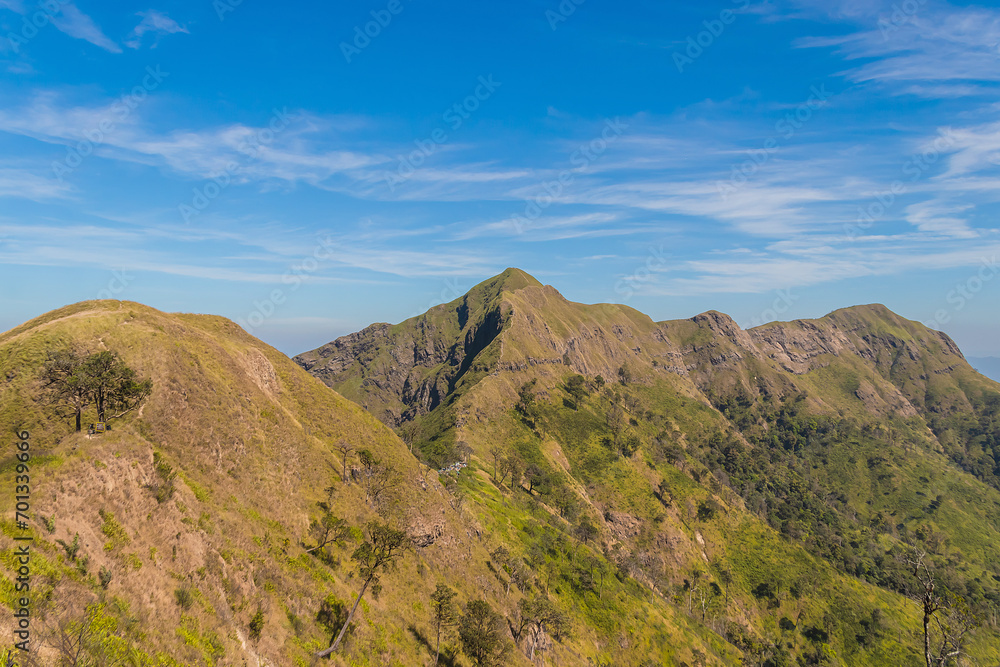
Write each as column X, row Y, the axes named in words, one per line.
column 75, row 23
column 26, row 184
column 808, row 262
column 154, row 23
column 932, row 50
column 294, row 154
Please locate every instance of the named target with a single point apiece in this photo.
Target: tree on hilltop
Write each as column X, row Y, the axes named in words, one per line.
column 102, row 379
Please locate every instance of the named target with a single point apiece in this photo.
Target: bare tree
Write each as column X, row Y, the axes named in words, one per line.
column 377, row 477
column 345, row 450
column 950, row 613
column 497, row 452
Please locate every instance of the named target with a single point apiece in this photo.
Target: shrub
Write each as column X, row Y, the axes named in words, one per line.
column 184, row 597
column 257, row 625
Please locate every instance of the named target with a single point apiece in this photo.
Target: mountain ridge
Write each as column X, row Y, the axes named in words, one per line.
column 830, row 431
column 530, row 324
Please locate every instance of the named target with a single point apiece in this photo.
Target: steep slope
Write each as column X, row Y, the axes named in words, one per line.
column 840, row 444
column 191, row 526
column 250, row 437
column 509, row 322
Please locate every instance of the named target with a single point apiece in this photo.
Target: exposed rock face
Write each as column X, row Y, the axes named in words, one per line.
column 796, row 348
column 512, row 324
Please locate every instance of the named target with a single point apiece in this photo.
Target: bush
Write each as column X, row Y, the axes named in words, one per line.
column 184, row 597
column 257, row 625
column 163, row 489
column 105, row 576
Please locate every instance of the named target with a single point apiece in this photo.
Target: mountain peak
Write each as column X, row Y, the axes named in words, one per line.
column 510, row 280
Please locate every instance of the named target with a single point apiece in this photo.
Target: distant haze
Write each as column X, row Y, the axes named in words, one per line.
column 988, row 366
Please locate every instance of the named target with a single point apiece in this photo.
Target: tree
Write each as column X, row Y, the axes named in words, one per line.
column 616, row 421
column 442, row 602
column 100, row 379
column 332, row 615
column 257, row 625
column 950, row 613
column 537, row 616
column 380, row 552
column 377, row 476
column 513, row 466
column 114, row 385
column 624, row 374
column 576, row 385
column 535, row 476
column 586, row 530
column 330, row 529
column 345, row 450
column 463, row 449
column 498, row 452
column 526, row 403
column 483, row 634
column 64, row 378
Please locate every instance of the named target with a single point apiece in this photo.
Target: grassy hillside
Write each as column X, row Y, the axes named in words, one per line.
column 186, row 535
column 768, row 484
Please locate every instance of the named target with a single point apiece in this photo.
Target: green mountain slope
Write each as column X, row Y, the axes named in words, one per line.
column 190, row 526
column 807, row 456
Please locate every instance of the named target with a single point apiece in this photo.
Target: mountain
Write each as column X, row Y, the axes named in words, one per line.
column 816, row 455
column 988, row 366
column 189, row 532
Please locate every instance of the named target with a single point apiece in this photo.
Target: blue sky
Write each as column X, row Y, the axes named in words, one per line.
column 308, row 171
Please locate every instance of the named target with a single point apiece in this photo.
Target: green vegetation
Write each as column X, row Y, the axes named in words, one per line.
column 803, row 494
column 76, row 381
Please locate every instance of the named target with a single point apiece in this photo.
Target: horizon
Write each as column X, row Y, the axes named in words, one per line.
column 773, row 161
column 991, row 364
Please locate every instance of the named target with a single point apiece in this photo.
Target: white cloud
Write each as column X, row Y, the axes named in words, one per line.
column 936, row 44
column 156, row 23
column 259, row 152
column 29, row 185
column 75, row 23
column 941, row 218
column 820, row 260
